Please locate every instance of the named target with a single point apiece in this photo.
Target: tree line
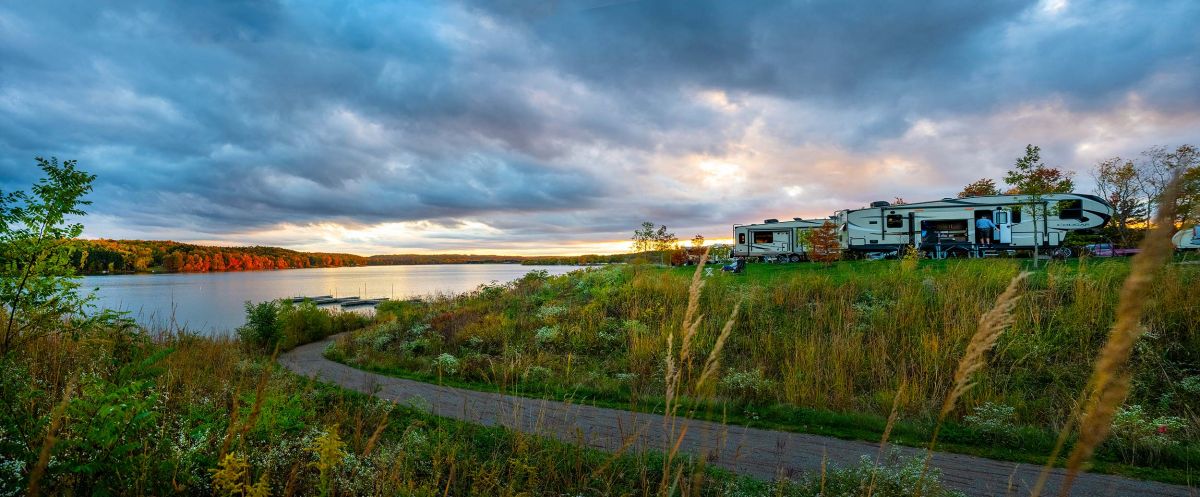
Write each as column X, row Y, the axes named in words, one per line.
column 138, row 256
column 417, row 259
column 134, row 256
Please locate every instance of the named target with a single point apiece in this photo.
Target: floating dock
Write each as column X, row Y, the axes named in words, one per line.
column 354, row 301
column 297, row 300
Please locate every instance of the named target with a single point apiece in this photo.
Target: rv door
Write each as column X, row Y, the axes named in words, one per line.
column 1003, row 226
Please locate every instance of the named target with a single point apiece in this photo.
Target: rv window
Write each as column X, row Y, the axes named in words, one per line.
column 1070, row 209
column 1016, row 216
column 763, row 237
column 895, row 221
column 741, row 238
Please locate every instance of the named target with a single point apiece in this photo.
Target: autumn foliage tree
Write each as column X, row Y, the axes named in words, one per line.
column 979, row 188
column 825, row 245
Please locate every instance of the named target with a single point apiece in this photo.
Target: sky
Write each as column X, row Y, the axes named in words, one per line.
column 557, row 127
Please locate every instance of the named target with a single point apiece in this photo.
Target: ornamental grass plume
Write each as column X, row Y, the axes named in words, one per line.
column 1109, row 384
column 675, row 365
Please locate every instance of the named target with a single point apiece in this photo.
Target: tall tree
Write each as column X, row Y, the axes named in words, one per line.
column 37, row 285
column 698, row 241
column 664, row 240
column 1034, row 179
column 979, row 188
column 643, row 237
column 1031, row 176
column 1117, row 182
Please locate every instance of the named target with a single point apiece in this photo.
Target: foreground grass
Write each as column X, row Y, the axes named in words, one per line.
column 115, row 411
column 824, row 350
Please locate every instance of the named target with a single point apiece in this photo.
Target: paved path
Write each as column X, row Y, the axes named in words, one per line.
column 759, row 453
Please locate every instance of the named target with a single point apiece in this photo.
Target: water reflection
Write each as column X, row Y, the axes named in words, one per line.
column 213, row 302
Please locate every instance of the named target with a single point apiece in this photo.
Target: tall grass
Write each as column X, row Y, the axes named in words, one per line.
column 810, row 340
column 1111, row 379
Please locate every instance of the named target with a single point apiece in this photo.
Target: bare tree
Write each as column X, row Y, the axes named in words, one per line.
column 1157, row 169
column 1117, row 181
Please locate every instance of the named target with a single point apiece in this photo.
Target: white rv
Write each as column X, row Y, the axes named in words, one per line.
column 947, row 227
column 773, row 239
column 1187, row 239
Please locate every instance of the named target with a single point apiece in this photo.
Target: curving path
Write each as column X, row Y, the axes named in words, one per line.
column 760, row 453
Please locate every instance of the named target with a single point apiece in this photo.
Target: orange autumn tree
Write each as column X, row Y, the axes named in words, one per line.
column 825, row 245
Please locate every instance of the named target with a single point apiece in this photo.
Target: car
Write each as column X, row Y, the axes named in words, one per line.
column 1108, row 250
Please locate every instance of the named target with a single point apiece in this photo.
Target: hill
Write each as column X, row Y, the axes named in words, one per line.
column 105, row 256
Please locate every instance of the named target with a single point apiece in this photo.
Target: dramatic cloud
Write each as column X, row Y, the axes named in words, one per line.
column 556, row 127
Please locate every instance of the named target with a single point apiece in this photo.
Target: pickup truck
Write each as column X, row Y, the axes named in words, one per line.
column 1108, row 250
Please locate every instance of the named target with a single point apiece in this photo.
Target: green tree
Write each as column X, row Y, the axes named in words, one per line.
column 664, row 240
column 643, row 237
column 37, row 279
column 1034, row 179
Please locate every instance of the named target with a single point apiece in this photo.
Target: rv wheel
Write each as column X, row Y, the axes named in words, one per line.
column 1062, row 253
column 794, row 258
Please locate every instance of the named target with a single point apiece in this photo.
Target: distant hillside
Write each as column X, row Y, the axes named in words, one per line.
column 140, row 256
column 135, row 256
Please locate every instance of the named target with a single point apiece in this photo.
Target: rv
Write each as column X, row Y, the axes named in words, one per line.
column 773, row 239
column 1187, row 239
column 946, row 228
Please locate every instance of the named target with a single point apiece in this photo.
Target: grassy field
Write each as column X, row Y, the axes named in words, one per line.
column 115, row 410
column 826, row 350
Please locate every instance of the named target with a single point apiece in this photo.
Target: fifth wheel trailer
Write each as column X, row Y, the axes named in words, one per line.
column 947, row 227
column 1187, row 239
column 773, row 239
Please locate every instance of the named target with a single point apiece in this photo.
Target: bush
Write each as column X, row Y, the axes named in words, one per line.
column 995, row 421
column 446, row 364
column 262, row 330
column 1136, row 434
column 747, row 385
column 286, row 325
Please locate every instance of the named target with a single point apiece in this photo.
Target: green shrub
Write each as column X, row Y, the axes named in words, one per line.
column 750, row 385
column 263, row 329
column 1139, row 436
column 994, row 421
column 445, row 364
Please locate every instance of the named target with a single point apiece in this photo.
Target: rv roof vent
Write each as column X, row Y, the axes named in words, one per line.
column 797, row 219
column 880, row 203
column 769, row 221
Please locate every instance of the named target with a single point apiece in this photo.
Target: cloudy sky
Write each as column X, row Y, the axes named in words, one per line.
column 557, row 126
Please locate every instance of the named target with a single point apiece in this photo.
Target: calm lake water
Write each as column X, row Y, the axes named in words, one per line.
column 214, row 302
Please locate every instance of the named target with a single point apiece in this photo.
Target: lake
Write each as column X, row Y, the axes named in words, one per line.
column 213, row 303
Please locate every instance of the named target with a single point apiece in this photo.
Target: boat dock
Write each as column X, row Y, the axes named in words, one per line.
column 343, row 302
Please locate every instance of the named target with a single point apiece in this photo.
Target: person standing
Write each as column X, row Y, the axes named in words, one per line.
column 983, row 230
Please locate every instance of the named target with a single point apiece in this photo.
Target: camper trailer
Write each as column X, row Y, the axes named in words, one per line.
column 1188, row 239
column 773, row 239
column 947, row 227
